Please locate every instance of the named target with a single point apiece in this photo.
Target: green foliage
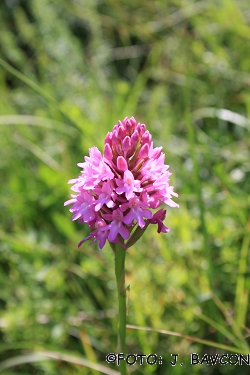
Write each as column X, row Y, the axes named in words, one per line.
column 69, row 70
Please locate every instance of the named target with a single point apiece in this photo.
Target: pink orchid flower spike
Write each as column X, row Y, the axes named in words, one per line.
column 117, row 191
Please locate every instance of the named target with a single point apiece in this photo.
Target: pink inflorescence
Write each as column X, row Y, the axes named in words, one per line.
column 116, row 191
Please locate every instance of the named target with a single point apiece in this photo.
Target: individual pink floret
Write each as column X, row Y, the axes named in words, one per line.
column 105, row 196
column 83, row 206
column 128, row 185
column 137, row 212
column 117, row 227
column 158, row 218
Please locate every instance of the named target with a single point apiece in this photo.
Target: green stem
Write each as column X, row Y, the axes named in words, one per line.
column 120, row 254
column 191, row 132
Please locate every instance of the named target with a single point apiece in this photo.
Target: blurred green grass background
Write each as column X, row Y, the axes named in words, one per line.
column 69, row 70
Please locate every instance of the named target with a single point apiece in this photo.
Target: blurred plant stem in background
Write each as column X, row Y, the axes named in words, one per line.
column 192, row 133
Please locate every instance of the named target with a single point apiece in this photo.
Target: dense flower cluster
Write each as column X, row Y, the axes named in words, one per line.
column 116, row 191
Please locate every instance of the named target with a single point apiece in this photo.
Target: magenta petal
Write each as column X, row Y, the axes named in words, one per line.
column 82, row 241
column 162, row 228
column 141, row 221
column 70, row 201
column 124, row 232
column 113, row 233
column 119, row 190
column 128, row 218
column 76, row 216
column 148, row 214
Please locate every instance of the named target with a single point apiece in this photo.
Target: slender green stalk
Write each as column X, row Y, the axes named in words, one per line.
column 197, row 185
column 28, row 82
column 241, row 295
column 39, row 90
column 191, row 132
column 120, row 254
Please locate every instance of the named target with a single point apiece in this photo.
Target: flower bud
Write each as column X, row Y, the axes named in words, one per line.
column 144, row 151
column 128, row 125
column 108, row 138
column 126, row 143
column 143, row 128
column 115, row 139
column 108, row 152
column 133, row 121
column 146, row 138
column 122, row 164
column 140, row 128
column 135, row 137
column 121, row 133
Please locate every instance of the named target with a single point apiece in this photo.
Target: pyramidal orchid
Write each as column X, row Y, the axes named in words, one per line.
column 117, row 191
column 118, row 195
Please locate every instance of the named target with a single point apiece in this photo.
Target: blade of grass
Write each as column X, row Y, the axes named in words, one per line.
column 49, row 98
column 131, row 104
column 248, row 332
column 182, row 14
column 27, row 81
column 222, row 330
column 42, row 155
column 241, row 295
column 88, row 349
column 38, row 121
column 192, row 338
column 45, row 355
column 230, row 320
column 222, row 114
column 21, row 360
